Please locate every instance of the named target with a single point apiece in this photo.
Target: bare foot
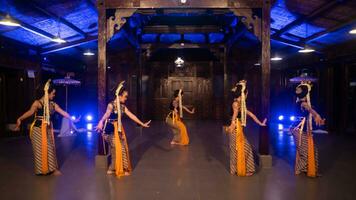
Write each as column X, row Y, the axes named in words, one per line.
column 57, row 173
column 173, row 143
column 126, row 174
column 109, row 172
column 249, row 174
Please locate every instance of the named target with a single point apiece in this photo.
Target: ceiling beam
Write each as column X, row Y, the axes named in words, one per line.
column 323, row 33
column 288, row 42
column 10, row 41
column 69, row 45
column 314, row 14
column 31, row 28
column 180, row 46
column 181, row 29
column 57, row 17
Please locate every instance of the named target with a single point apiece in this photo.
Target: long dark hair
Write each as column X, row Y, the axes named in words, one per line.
column 304, row 92
column 237, row 93
column 39, row 93
column 176, row 93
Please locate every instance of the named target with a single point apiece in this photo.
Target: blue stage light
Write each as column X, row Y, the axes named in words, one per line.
column 280, row 117
column 280, row 127
column 73, row 117
column 89, row 127
column 89, row 117
column 292, row 118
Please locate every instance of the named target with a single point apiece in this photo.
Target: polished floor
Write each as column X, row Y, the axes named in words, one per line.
column 199, row 171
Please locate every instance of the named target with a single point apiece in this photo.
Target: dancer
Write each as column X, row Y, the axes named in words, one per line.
column 174, row 119
column 114, row 133
column 41, row 131
column 307, row 154
column 241, row 155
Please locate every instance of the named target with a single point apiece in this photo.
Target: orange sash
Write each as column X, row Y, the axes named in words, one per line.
column 183, row 130
column 44, row 150
column 240, row 150
column 311, row 156
column 119, row 164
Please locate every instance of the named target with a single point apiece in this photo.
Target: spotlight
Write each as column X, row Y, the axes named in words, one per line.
column 7, row 21
column 88, row 53
column 73, row 117
column 276, row 58
column 280, row 127
column 58, row 40
column 353, row 31
column 280, row 117
column 292, row 118
column 89, row 118
column 89, row 126
column 179, row 62
column 306, row 50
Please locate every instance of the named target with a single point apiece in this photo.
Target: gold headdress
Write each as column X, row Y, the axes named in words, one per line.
column 120, row 86
column 46, row 114
column 180, row 103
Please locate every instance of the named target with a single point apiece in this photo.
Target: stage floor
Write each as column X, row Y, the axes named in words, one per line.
column 161, row 171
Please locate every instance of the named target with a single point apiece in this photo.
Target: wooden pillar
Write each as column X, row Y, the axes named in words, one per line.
column 226, row 89
column 342, row 99
column 266, row 70
column 139, row 83
column 101, row 65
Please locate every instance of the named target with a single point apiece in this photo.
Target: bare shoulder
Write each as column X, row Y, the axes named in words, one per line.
column 235, row 105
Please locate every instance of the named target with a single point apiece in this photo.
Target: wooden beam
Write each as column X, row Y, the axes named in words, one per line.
column 265, row 75
column 57, row 17
column 116, row 22
column 251, row 21
column 314, row 14
column 180, row 46
column 323, row 33
column 288, row 42
column 181, row 29
column 68, row 45
column 9, row 41
column 102, row 26
column 149, row 4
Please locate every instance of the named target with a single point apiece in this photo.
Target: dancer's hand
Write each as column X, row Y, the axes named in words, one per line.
column 192, row 111
column 77, row 119
column 264, row 122
column 146, row 125
column 18, row 124
column 319, row 121
column 99, row 127
column 231, row 128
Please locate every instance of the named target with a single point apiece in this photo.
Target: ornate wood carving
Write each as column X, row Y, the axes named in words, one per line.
column 115, row 23
column 251, row 21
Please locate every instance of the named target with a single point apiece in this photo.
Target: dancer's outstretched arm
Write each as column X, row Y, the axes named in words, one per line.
column 108, row 111
column 189, row 111
column 318, row 120
column 253, row 116
column 27, row 114
column 135, row 119
column 235, row 109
